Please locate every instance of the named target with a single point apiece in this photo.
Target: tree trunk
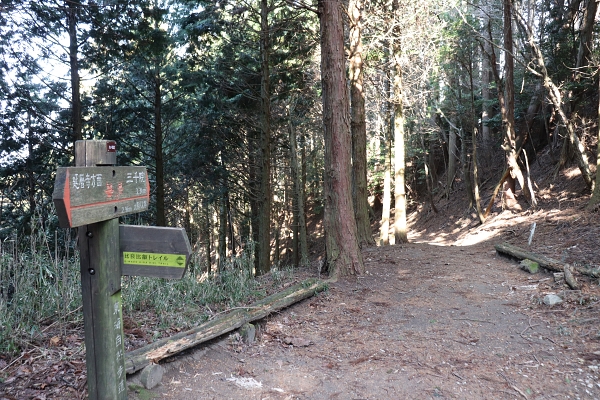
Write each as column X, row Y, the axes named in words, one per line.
column 509, row 144
column 586, row 34
column 343, row 253
column 71, row 7
column 358, row 126
column 485, row 90
column 301, row 248
column 158, row 150
column 263, row 246
column 207, row 235
column 400, row 228
column 512, row 144
column 30, row 165
column 384, row 231
column 555, row 96
column 222, row 232
column 451, row 160
column 595, row 199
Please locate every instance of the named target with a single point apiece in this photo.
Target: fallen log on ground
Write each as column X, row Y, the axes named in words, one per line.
column 154, row 352
column 546, row 262
column 521, row 254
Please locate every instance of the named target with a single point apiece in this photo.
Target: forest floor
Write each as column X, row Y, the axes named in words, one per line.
column 443, row 316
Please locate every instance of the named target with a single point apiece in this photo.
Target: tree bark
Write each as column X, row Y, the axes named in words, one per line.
column 71, row 7
column 263, row 247
column 384, row 230
column 555, row 96
column 358, row 126
column 451, row 160
column 343, row 253
column 400, row 228
column 222, row 232
column 158, row 150
column 595, row 199
column 511, row 144
column 586, row 34
column 301, row 250
column 485, row 89
column 207, row 230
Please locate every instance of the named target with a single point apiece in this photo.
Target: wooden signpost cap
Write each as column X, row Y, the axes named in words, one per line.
column 92, row 153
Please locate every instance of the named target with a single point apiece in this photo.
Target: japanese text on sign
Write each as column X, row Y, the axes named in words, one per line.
column 154, row 259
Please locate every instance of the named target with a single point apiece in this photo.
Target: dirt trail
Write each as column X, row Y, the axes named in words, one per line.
column 427, row 321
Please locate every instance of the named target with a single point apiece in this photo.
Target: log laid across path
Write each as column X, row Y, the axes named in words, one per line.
column 154, row 352
column 546, row 262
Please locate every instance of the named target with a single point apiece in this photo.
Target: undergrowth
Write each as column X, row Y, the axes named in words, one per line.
column 193, row 299
column 40, row 292
column 38, row 288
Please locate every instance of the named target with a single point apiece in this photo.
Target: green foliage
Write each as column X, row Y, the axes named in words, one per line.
column 36, row 289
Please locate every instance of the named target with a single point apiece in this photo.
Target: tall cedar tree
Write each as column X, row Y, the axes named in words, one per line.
column 358, row 125
column 343, row 253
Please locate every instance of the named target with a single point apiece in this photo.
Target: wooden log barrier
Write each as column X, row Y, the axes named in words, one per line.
column 547, row 262
column 163, row 348
column 521, row 254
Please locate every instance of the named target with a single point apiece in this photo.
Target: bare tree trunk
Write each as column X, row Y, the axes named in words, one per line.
column 555, row 96
column 400, row 228
column 30, row 164
column 511, row 144
column 595, row 199
column 384, row 230
column 428, row 177
column 301, row 247
column 451, row 171
column 343, row 253
column 222, row 232
column 158, row 152
column 485, row 89
column 264, row 216
column 207, row 235
column 71, row 7
column 586, row 34
column 358, row 126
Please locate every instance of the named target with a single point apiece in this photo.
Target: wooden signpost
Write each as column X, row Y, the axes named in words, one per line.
column 91, row 196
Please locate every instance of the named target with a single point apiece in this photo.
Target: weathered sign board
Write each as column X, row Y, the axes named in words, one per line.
column 91, row 196
column 85, row 195
column 154, row 251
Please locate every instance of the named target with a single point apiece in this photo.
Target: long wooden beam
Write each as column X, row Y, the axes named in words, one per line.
column 154, row 352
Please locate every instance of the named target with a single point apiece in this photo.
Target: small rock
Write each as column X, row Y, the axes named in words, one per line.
column 151, row 376
column 248, row 332
column 530, row 266
column 552, row 299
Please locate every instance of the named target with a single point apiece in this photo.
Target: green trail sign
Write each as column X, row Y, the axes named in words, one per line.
column 85, row 195
column 154, row 251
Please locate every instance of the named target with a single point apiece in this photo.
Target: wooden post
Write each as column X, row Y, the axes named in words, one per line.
column 101, row 289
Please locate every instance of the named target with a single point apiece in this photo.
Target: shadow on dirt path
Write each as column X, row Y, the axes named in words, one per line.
column 425, row 322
